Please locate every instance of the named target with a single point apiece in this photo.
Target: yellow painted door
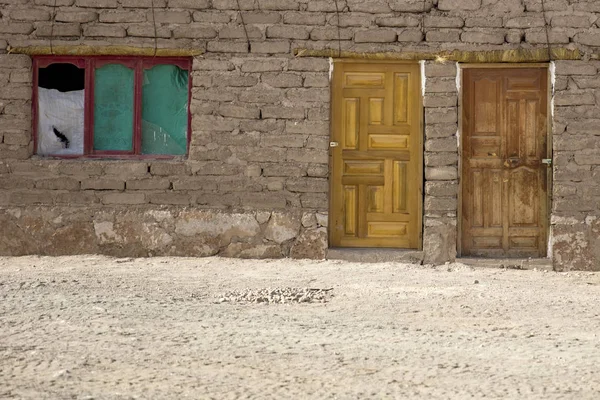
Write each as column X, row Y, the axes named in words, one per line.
column 504, row 181
column 376, row 179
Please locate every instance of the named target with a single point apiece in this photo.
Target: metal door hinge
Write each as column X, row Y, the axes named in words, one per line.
column 547, row 161
column 333, row 144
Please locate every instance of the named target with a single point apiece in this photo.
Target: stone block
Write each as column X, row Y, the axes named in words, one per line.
column 16, row 28
column 282, row 79
column 452, row 5
column 227, row 47
column 146, row 4
column 288, row 32
column 239, row 111
column 485, row 37
column 121, row 16
column 575, row 68
column 189, row 4
column 123, row 198
column 238, row 32
column 194, row 31
column 283, row 112
column 282, row 227
column 410, row 35
column 262, row 18
column 431, row 21
column 484, row 22
column 63, row 183
column 440, row 85
column 572, row 21
column 314, row 201
column 590, row 38
column 522, row 22
column 441, row 188
column 126, row 169
column 270, row 47
column 167, row 169
column 440, row 70
column 147, row 30
column 168, row 198
column 311, row 244
column 439, row 242
column 309, row 64
column 262, row 65
column 307, row 127
column 303, row 185
column 102, row 184
column 441, row 173
column 147, row 184
column 31, row 14
column 331, row 33
column 104, row 30
column 399, row 21
column 279, row 5
column 375, row 36
column 76, row 16
column 411, row 6
column 447, row 115
column 97, row 3
column 303, row 18
column 213, row 17
column 444, row 35
column 538, row 36
column 440, row 100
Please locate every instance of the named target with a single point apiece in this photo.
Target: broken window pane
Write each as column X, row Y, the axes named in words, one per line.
column 113, row 108
column 60, row 110
column 165, row 110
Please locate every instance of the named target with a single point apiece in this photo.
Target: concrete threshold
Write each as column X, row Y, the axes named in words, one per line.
column 508, row 263
column 371, row 255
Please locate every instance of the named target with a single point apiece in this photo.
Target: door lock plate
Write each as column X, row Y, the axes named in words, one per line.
column 547, row 161
column 333, row 144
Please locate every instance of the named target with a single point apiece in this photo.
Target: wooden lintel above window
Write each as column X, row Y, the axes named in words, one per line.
column 104, row 51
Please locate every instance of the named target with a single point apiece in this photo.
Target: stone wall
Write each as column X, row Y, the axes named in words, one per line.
column 260, row 121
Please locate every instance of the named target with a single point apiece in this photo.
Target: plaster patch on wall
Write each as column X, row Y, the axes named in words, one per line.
column 552, row 69
column 423, row 78
column 458, row 85
column 330, row 68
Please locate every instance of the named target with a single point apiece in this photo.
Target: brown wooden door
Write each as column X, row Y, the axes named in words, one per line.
column 376, row 175
column 504, row 182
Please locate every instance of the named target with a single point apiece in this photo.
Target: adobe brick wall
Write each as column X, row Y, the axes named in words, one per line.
column 261, row 124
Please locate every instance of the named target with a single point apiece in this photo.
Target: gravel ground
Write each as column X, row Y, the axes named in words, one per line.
column 92, row 327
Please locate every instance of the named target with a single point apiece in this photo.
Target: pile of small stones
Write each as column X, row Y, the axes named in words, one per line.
column 277, row 296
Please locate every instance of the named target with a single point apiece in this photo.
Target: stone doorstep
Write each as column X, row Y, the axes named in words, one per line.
column 544, row 264
column 370, row 255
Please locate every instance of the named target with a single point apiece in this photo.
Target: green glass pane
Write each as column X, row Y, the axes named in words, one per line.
column 113, row 108
column 164, row 110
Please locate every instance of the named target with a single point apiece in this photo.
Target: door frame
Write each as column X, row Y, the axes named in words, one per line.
column 420, row 145
column 549, row 148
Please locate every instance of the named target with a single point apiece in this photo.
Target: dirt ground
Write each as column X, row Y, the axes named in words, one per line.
column 92, row 327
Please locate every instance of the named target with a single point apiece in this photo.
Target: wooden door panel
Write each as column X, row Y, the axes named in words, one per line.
column 523, row 197
column 504, row 211
column 376, row 171
column 402, row 102
column 364, row 80
column 350, row 122
column 486, row 117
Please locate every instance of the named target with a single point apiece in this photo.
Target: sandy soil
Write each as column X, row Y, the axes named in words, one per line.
column 92, row 327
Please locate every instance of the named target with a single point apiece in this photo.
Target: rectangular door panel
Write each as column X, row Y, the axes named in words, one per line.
column 376, row 177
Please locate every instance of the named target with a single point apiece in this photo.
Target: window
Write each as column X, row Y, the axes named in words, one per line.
column 111, row 106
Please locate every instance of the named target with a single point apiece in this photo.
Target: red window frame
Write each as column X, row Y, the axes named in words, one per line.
column 90, row 63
